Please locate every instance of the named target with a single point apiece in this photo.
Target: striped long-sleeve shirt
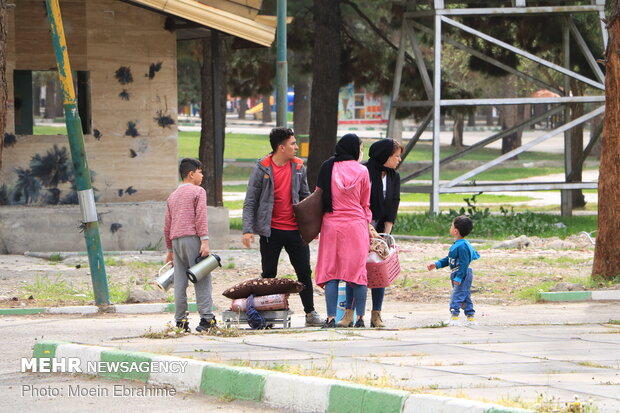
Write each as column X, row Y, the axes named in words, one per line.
column 186, row 214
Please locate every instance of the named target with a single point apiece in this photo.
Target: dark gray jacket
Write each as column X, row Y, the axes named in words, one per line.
column 258, row 204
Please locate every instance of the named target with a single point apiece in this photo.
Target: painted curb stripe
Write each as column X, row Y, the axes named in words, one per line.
column 350, row 398
column 427, row 403
column 21, row 311
column 90, row 309
column 46, row 349
column 238, row 383
column 119, row 356
column 567, row 296
column 189, row 381
column 191, row 307
column 145, row 308
column 86, row 354
column 606, row 295
column 298, row 393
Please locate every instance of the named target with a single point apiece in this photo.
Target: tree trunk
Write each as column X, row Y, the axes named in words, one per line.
column 3, row 85
column 36, row 100
column 607, row 253
column 509, row 119
column 511, row 116
column 576, row 138
column 488, row 113
column 301, row 107
column 266, row 109
column 243, row 106
column 457, row 132
column 325, row 85
column 397, row 130
column 53, row 100
column 212, row 181
column 471, row 119
column 596, row 125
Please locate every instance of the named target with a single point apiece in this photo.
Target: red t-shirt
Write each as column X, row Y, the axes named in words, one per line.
column 282, row 216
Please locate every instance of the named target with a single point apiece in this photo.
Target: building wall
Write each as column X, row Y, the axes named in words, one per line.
column 103, row 37
column 123, row 227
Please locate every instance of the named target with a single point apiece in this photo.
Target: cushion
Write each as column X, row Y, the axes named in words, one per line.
column 263, row 286
column 309, row 215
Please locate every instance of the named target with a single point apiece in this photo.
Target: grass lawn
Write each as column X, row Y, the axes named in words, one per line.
column 247, row 146
column 237, row 145
column 498, row 226
column 49, row 130
column 458, row 198
column 495, row 208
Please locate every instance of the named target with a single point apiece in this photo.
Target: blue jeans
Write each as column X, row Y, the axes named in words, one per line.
column 377, row 295
column 331, row 297
column 461, row 295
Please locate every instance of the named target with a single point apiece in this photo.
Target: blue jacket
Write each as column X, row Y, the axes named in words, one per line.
column 459, row 257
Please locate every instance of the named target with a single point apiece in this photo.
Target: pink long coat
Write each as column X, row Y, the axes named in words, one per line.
column 344, row 240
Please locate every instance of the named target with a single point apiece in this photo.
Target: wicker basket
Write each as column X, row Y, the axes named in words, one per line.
column 382, row 274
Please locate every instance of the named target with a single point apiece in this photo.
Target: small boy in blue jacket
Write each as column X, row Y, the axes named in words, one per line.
column 459, row 257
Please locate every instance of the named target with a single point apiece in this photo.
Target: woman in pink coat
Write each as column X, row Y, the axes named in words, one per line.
column 344, row 242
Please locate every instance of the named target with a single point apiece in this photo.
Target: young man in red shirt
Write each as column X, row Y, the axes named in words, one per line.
column 277, row 182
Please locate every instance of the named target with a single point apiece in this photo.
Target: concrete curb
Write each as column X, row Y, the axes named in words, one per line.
column 604, row 295
column 147, row 308
column 298, row 393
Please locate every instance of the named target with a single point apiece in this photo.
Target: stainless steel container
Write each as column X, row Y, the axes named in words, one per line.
column 203, row 266
column 165, row 280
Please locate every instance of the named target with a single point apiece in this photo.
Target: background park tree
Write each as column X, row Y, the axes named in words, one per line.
column 194, row 65
column 607, row 253
column 542, row 37
column 3, row 85
column 363, row 33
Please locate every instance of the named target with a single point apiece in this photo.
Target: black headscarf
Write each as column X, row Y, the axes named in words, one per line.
column 347, row 149
column 378, row 154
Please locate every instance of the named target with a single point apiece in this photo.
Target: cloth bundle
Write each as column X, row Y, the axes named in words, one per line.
column 379, row 249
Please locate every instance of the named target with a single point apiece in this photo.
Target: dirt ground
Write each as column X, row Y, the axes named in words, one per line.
column 501, row 276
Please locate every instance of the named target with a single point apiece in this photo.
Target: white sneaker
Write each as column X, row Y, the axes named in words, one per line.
column 453, row 321
column 471, row 321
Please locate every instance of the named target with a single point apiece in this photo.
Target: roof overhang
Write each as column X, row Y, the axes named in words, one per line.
column 214, row 18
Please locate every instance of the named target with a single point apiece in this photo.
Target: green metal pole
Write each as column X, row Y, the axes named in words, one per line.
column 78, row 156
column 281, row 68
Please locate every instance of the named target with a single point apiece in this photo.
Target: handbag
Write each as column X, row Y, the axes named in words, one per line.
column 309, row 215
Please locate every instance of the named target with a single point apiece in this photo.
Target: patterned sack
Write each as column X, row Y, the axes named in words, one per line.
column 262, row 303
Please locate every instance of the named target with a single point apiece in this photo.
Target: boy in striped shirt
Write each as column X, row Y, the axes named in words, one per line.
column 187, row 237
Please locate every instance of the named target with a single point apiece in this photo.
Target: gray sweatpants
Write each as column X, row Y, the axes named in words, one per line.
column 185, row 250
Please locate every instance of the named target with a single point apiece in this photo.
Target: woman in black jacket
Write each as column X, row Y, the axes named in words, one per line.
column 384, row 158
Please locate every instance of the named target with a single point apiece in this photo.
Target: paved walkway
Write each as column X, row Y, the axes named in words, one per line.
column 514, row 353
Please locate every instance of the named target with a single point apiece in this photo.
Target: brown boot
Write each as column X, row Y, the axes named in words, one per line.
column 375, row 319
column 347, row 319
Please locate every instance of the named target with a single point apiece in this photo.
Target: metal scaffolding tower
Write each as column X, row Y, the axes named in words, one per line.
column 412, row 26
